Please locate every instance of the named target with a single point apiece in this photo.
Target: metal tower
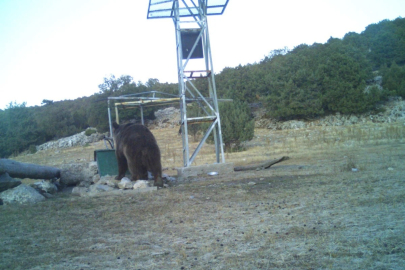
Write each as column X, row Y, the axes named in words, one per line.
column 194, row 61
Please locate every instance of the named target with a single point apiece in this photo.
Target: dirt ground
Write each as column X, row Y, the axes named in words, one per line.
column 337, row 203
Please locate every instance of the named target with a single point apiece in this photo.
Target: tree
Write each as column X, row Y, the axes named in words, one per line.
column 46, row 102
column 112, row 84
column 237, row 125
column 151, row 83
column 18, row 128
column 394, row 79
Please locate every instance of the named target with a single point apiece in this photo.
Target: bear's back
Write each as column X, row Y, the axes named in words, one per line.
column 130, row 132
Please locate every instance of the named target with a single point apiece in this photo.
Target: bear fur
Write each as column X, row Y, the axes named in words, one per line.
column 136, row 150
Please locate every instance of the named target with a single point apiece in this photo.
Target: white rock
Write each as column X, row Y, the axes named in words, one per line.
column 93, row 167
column 79, row 190
column 106, row 179
column 125, row 183
column 251, row 183
column 96, row 178
column 45, row 187
column 102, row 188
column 112, row 183
column 390, row 169
column 125, row 180
column 21, row 194
column 74, row 173
column 74, row 140
column 141, row 184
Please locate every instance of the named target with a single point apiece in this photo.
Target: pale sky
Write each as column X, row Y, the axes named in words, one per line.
column 62, row 49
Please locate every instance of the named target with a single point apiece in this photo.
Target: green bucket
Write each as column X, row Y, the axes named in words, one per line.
column 106, row 162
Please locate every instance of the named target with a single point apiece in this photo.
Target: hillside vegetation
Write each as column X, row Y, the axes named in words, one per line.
column 307, row 81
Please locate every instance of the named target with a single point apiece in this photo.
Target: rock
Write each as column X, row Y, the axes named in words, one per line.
column 7, row 182
column 103, row 179
column 96, row 178
column 45, row 187
column 112, row 183
column 378, row 80
column 293, row 124
column 73, row 174
column 93, row 167
column 79, row 190
column 98, row 188
column 168, row 177
column 168, row 117
column 85, row 184
column 47, row 195
column 141, row 184
column 109, row 181
column 251, row 183
column 390, row 169
column 125, row 183
column 21, row 194
column 353, row 119
column 95, row 137
column 126, row 179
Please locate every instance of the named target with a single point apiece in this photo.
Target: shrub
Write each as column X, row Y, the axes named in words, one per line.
column 90, row 131
column 237, row 125
column 32, row 149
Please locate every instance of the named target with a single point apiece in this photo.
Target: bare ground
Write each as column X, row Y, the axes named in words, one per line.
column 309, row 212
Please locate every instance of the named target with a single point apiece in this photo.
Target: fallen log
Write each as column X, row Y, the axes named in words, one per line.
column 260, row 166
column 28, row 170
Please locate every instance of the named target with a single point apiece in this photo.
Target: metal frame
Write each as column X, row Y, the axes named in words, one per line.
column 140, row 100
column 146, row 99
column 166, row 8
column 192, row 15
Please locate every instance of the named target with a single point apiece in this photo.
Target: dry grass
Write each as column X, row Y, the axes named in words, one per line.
column 309, row 212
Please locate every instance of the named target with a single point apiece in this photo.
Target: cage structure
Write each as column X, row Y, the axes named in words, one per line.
column 141, row 101
column 194, row 62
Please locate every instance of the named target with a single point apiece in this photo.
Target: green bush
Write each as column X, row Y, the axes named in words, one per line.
column 237, row 125
column 394, row 79
column 90, row 131
column 32, row 149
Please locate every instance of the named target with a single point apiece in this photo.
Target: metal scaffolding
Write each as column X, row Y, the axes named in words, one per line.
column 141, row 101
column 194, row 61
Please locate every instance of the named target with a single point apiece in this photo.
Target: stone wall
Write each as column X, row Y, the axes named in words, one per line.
column 79, row 139
column 392, row 111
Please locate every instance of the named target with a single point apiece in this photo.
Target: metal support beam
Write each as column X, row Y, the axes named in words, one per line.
column 109, row 118
column 197, row 22
column 142, row 121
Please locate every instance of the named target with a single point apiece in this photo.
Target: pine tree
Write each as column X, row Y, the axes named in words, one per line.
column 237, row 125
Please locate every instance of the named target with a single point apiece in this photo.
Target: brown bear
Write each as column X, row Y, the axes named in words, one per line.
column 136, row 150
